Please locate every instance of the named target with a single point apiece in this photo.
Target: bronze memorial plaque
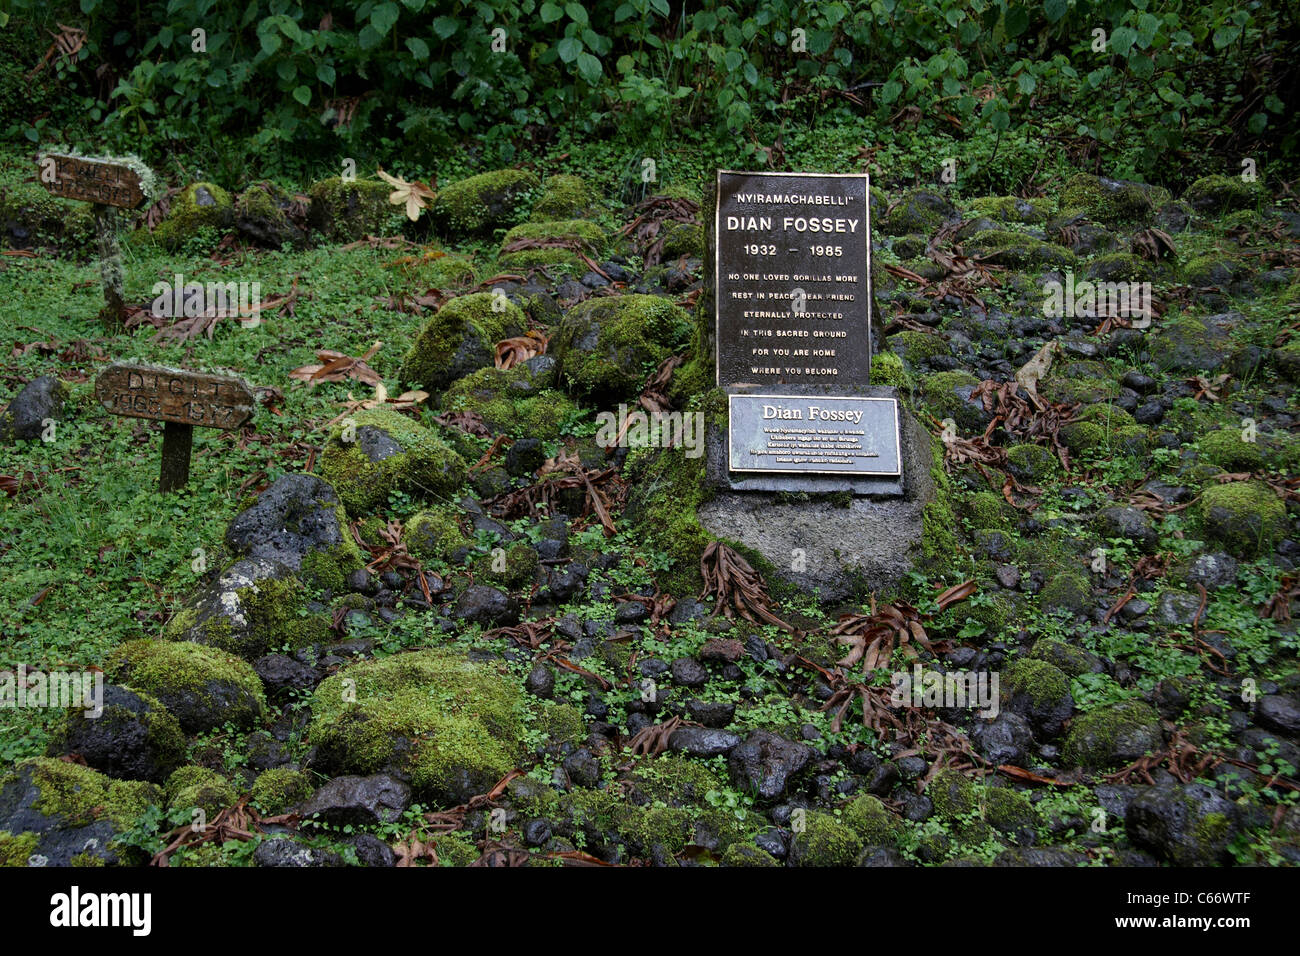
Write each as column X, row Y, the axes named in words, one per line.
column 91, row 180
column 174, row 395
column 793, row 275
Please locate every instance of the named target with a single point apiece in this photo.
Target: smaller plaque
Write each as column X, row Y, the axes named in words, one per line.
column 816, row 435
column 92, row 180
column 174, row 395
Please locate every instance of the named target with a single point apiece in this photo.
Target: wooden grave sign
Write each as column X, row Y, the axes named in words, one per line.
column 108, row 184
column 179, row 398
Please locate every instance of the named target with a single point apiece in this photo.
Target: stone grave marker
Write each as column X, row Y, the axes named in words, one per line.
column 791, row 264
column 108, row 184
column 181, row 399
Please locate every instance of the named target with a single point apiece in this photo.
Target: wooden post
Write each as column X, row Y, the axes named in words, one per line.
column 111, row 272
column 178, row 440
column 179, row 398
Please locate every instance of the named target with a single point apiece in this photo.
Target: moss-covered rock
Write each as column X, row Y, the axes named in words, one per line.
column 435, row 534
column 888, row 369
column 30, row 217
column 1040, row 692
column 1071, row 661
column 513, row 568
column 511, row 401
column 746, row 854
column 388, row 452
column 1192, row 343
column 947, row 394
column 869, row 819
column 1066, row 591
column 253, row 607
column 606, row 347
column 1112, row 736
column 345, row 211
column 198, row 206
column 1006, row 248
column 451, row 726
column 561, row 723
column 1216, row 195
column 564, row 240
column 563, row 197
column 132, row 737
column 460, row 338
column 1286, row 359
column 920, row 347
column 203, row 687
column 1111, row 202
column 482, row 203
column 199, row 788
column 1106, row 429
column 1010, row 209
column 18, row 850
column 918, row 211
column 1227, row 448
column 1246, row 517
column 824, row 841
column 262, row 214
column 1212, row 269
column 75, row 814
column 276, row 790
column 683, row 239
column 1032, row 462
column 1121, row 267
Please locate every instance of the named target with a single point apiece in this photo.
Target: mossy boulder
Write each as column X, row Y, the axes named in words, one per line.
column 1246, row 517
column 1039, row 692
column 73, row 812
column 1111, row 202
column 1216, row 195
column 1212, row 270
column 1009, row 811
column 450, row 726
column 563, row 241
column 746, row 854
column 204, row 687
column 30, row 217
column 1191, row 343
column 920, row 347
column 197, row 207
column 253, row 607
column 199, row 788
column 918, row 211
column 606, row 347
column 300, row 523
column 1286, row 360
column 1106, row 429
column 262, row 215
column 564, row 196
column 511, row 401
column 386, row 452
column 1015, row 249
column 948, row 395
column 869, row 819
column 344, row 211
column 1071, row 661
column 1227, row 448
column 984, row 509
column 1010, row 209
column 460, row 338
column 1121, row 267
column 435, row 534
column 888, row 369
column 683, row 239
column 824, row 841
column 276, row 790
column 134, row 737
column 513, row 567
column 1113, row 736
column 1029, row 462
column 1066, row 591
column 24, row 417
column 482, row 203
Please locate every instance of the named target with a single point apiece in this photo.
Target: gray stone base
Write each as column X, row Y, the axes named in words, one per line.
column 820, row 544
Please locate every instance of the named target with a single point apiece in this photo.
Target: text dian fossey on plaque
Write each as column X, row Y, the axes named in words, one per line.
column 793, row 301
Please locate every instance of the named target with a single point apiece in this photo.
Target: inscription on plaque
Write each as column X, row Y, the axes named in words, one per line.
column 179, row 398
column 91, row 180
column 814, row 434
column 792, row 274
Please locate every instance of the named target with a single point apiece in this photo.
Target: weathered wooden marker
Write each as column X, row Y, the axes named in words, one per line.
column 180, row 399
column 108, row 183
